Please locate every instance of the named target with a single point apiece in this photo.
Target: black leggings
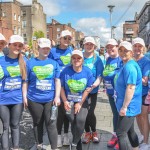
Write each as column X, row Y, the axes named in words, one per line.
column 125, row 127
column 10, row 116
column 41, row 112
column 91, row 118
column 78, row 123
column 62, row 119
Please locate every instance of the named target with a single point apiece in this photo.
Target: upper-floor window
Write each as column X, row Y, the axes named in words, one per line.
column 15, row 16
column 19, row 31
column 129, row 29
column 24, row 23
column 58, row 29
column 4, row 14
column 18, row 18
column 15, row 30
column 24, row 13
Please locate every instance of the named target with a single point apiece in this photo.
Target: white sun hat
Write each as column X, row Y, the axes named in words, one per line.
column 89, row 39
column 44, row 42
column 16, row 38
column 126, row 45
column 77, row 52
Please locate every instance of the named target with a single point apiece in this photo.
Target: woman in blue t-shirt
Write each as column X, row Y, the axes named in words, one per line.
column 144, row 64
column 76, row 82
column 94, row 63
column 12, row 75
column 113, row 64
column 62, row 54
column 2, row 44
column 42, row 91
column 128, row 92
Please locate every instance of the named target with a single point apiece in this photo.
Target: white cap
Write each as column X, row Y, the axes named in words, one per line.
column 65, row 33
column 2, row 38
column 77, row 52
column 111, row 42
column 16, row 38
column 89, row 39
column 139, row 41
column 44, row 42
column 126, row 45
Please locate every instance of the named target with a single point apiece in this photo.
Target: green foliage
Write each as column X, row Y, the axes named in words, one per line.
column 38, row 34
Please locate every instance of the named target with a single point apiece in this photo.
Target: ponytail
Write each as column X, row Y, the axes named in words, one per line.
column 22, row 66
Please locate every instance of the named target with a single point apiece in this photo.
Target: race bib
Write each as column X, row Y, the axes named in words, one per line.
column 43, row 85
column 108, row 85
column 12, row 84
column 74, row 97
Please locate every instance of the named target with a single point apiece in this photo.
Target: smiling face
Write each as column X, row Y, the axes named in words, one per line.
column 65, row 41
column 112, row 50
column 44, row 52
column 125, row 54
column 15, row 48
column 138, row 50
column 89, row 47
column 76, row 60
column 2, row 45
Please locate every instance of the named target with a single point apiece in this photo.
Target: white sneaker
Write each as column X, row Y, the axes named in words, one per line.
column 66, row 139
column 59, row 141
column 141, row 138
column 144, row 146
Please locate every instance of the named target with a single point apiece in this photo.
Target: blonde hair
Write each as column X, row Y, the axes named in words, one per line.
column 22, row 66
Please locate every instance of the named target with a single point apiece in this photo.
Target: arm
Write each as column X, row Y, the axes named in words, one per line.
column 97, row 82
column 79, row 104
column 128, row 97
column 24, row 92
column 57, row 91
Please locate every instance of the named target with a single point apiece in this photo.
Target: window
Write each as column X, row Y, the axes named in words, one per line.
column 18, row 18
column 4, row 14
column 58, row 36
column 24, row 13
column 129, row 29
column 15, row 30
column 19, row 31
column 24, row 35
column 14, row 16
column 24, row 24
column 58, row 29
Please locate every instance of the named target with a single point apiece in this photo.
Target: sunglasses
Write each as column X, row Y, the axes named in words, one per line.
column 65, row 38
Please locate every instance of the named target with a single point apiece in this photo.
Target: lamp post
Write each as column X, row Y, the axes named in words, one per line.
column 111, row 10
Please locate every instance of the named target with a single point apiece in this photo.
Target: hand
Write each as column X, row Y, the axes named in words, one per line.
column 25, row 103
column 123, row 111
column 77, row 107
column 89, row 89
column 67, row 106
column 56, row 101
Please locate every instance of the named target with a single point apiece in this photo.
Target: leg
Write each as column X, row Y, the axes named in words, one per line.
column 36, row 110
column 15, row 116
column 114, row 111
column 5, row 117
column 50, row 125
column 123, row 126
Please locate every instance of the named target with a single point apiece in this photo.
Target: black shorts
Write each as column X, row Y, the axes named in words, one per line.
column 143, row 100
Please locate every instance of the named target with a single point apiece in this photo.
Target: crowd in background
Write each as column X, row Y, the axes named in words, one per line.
column 59, row 86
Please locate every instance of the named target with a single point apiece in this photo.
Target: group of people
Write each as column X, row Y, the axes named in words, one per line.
column 69, row 80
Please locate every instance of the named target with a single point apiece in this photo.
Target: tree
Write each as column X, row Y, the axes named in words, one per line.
column 38, row 34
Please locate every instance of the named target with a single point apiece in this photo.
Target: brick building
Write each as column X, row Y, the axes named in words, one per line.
column 130, row 30
column 11, row 14
column 33, row 19
column 54, row 29
column 144, row 23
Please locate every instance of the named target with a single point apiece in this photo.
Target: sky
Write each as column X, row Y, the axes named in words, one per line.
column 92, row 17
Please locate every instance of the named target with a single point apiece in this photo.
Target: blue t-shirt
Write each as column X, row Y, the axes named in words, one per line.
column 41, row 76
column 62, row 56
column 10, row 81
column 144, row 64
column 147, row 54
column 110, row 70
column 130, row 73
column 96, row 66
column 1, row 54
column 102, row 57
column 75, row 83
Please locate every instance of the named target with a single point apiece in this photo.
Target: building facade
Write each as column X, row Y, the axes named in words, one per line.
column 11, row 14
column 130, row 30
column 144, row 23
column 33, row 19
column 54, row 29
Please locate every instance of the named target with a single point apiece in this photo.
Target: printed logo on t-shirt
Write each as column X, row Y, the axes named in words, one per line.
column 89, row 65
column 66, row 59
column 1, row 73
column 109, row 69
column 76, row 86
column 14, row 71
column 43, row 72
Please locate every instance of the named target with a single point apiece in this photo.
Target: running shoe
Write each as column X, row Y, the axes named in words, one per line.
column 113, row 141
column 95, row 137
column 86, row 137
column 116, row 146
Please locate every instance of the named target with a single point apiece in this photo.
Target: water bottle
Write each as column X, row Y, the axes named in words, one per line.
column 71, row 103
column 54, row 111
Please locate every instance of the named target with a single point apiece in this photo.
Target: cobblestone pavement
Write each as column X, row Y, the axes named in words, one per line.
column 104, row 128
